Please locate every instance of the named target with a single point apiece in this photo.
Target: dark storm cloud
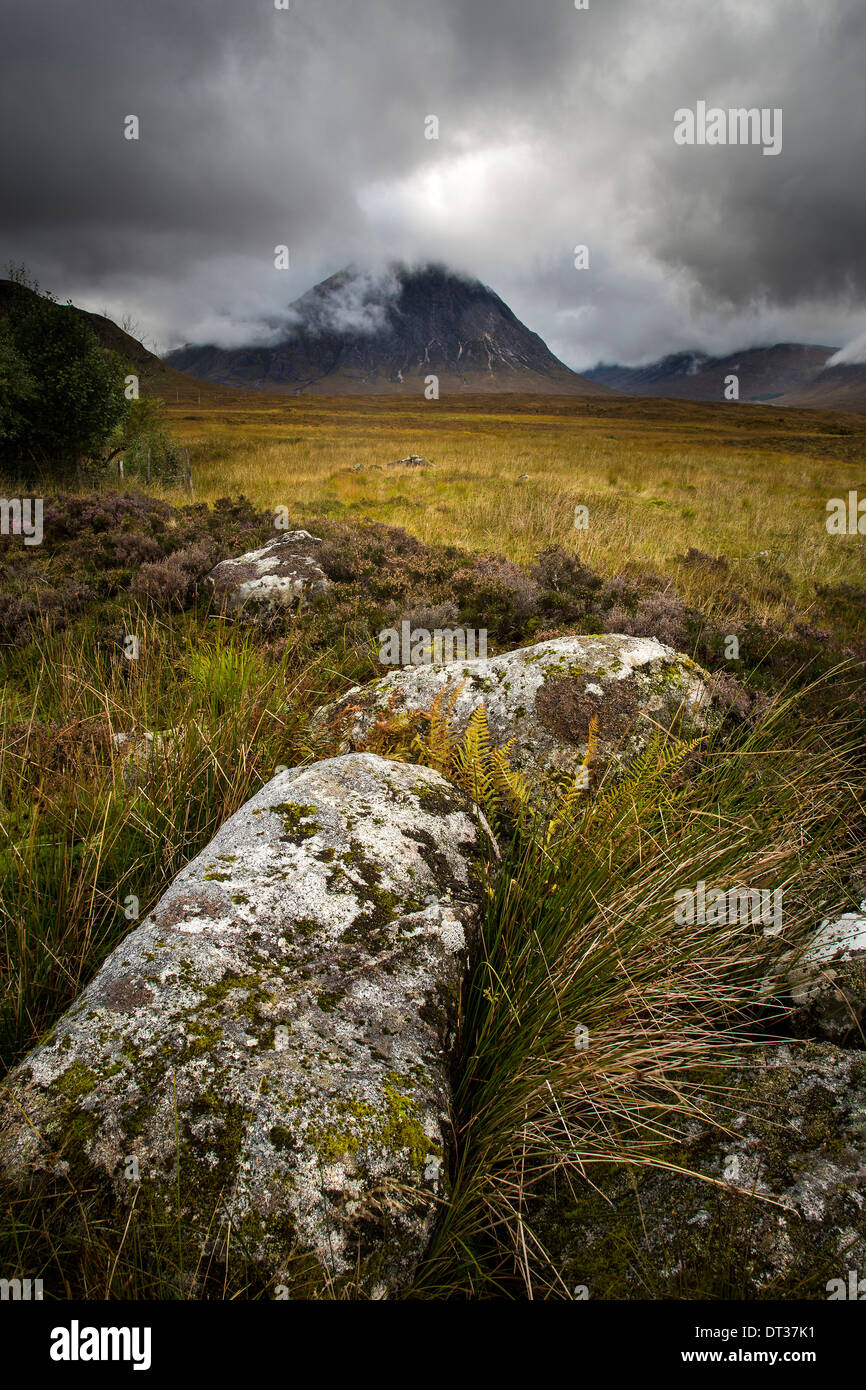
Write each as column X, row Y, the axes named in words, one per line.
column 306, row 127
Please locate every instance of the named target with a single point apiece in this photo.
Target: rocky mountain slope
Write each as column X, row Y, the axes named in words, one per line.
column 842, row 387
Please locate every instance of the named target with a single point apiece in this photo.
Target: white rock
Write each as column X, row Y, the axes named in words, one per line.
column 839, row 940
column 828, row 981
column 280, row 574
column 291, row 1006
column 542, row 696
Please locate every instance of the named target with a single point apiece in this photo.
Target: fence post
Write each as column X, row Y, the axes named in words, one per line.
column 187, row 473
column 120, row 467
column 148, row 465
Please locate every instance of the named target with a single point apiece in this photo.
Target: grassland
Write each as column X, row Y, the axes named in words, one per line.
column 723, row 505
column 745, row 483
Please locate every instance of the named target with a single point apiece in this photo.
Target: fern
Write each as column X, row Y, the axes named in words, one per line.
column 617, row 810
column 472, row 762
column 565, row 809
column 572, row 791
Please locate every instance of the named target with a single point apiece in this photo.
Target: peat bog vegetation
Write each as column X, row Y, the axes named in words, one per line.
column 704, row 523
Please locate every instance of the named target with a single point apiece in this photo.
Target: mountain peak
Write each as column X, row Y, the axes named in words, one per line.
column 365, row 332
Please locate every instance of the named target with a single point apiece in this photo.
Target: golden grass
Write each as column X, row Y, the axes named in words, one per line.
column 749, row 483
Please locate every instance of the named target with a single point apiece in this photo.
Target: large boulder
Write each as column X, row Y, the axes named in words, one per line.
column 273, row 1044
column 263, row 582
column 544, row 697
column 779, row 1208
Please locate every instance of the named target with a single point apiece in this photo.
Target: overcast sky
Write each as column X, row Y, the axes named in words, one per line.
column 306, row 127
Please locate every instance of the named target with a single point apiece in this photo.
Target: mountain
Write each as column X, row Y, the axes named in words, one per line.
column 356, row 333
column 156, row 378
column 835, row 388
column 765, row 374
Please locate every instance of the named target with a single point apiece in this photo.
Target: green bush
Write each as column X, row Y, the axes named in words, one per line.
column 63, row 396
column 149, row 452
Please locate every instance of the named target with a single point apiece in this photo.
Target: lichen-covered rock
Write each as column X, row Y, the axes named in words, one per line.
column 280, row 574
column 544, row 697
column 828, row 982
column 796, row 1122
column 273, row 1043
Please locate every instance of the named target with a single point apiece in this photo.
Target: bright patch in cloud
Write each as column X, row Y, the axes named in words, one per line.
column 430, row 200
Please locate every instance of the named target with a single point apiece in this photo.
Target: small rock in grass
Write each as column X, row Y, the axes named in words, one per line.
column 263, row 582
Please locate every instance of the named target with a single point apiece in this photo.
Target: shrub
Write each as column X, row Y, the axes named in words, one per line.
column 171, row 583
column 661, row 615
column 563, row 572
column 496, row 594
column 67, row 398
column 149, row 452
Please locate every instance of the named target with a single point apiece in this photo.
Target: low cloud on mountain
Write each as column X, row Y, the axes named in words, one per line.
column 853, row 354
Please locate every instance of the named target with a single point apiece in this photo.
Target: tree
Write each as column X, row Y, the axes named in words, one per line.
column 17, row 389
column 62, row 395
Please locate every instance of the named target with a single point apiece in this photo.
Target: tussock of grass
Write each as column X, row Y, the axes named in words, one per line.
column 85, row 825
column 581, row 933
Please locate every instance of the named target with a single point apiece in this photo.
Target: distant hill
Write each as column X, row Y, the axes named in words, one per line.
column 765, row 374
column 354, row 334
column 835, row 388
column 155, row 376
column 357, row 334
